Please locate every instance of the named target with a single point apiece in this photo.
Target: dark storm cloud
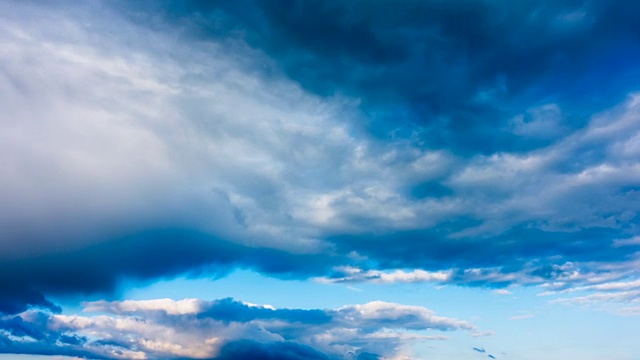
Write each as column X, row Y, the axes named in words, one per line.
column 98, row 268
column 17, row 296
column 455, row 69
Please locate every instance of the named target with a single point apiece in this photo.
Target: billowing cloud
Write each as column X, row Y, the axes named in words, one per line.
column 224, row 329
column 143, row 164
column 198, row 143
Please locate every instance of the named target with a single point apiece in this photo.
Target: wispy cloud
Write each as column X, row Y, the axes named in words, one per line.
column 522, row 317
column 502, row 292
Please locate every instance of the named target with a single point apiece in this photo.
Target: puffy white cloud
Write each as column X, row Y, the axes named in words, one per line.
column 191, row 328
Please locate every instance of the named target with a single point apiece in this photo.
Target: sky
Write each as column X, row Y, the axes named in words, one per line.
column 357, row 180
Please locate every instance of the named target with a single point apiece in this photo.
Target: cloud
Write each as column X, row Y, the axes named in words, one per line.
column 600, row 297
column 164, row 167
column 542, row 122
column 629, row 311
column 16, row 298
column 607, row 286
column 502, row 292
column 400, row 60
column 155, row 149
column 346, row 274
column 541, row 195
column 482, row 333
column 157, row 253
column 627, row 242
column 604, row 293
column 224, row 329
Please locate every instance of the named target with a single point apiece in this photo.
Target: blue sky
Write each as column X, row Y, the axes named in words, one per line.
column 319, row 180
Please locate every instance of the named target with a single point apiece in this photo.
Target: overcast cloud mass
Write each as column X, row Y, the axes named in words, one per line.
column 483, row 144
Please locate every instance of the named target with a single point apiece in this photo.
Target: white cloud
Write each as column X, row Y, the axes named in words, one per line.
column 169, row 306
column 353, row 274
column 130, row 140
column 483, row 333
column 402, row 316
column 192, row 328
column 602, row 297
column 606, row 286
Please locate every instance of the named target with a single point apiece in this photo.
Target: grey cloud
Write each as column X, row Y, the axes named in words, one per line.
column 97, row 268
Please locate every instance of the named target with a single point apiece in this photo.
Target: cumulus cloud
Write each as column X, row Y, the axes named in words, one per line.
column 224, row 329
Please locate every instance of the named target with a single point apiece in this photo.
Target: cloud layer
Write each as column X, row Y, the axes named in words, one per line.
column 210, row 139
column 224, row 329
